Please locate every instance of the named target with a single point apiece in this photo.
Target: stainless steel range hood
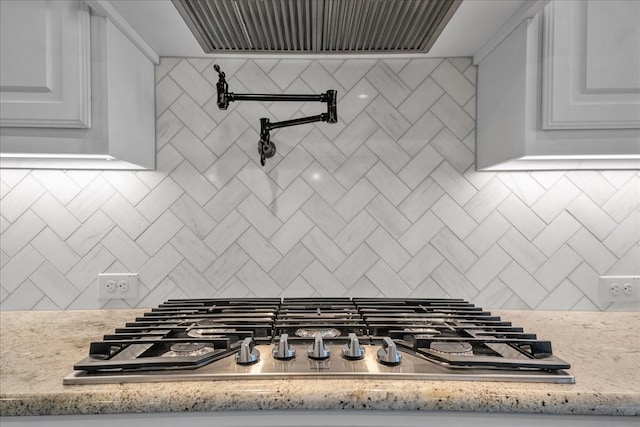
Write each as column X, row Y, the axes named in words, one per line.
column 316, row 26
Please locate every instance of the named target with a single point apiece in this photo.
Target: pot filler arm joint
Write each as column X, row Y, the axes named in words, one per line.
column 266, row 148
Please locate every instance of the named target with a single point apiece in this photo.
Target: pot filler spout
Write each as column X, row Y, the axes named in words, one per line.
column 266, row 147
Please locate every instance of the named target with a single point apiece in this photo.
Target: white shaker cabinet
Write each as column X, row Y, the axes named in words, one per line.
column 76, row 92
column 562, row 90
column 45, row 64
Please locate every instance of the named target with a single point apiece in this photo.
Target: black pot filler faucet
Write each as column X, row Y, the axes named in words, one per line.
column 266, row 147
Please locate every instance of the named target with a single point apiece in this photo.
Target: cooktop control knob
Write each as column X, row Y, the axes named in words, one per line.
column 388, row 353
column 283, row 350
column 248, row 354
column 317, row 350
column 352, row 350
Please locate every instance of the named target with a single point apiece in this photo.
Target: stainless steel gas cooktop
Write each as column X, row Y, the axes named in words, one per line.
column 216, row 339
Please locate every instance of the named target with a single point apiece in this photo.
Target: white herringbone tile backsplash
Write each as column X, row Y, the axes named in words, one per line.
column 386, row 202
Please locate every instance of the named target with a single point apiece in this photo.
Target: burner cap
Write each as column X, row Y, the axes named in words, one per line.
column 186, row 348
column 208, row 322
column 452, row 348
column 324, row 333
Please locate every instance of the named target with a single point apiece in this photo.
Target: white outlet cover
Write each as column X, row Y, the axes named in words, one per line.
column 131, row 293
column 632, row 282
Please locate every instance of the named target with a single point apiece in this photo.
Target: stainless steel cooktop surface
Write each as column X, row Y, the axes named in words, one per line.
column 212, row 339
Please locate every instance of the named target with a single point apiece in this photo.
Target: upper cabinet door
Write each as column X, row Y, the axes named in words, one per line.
column 45, row 71
column 591, row 65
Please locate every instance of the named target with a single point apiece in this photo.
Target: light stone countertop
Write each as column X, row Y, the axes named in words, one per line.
column 38, row 349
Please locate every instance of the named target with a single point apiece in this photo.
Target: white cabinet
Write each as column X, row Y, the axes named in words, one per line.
column 119, row 131
column 45, row 64
column 562, row 91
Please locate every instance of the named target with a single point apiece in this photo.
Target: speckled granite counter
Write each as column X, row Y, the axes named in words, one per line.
column 37, row 349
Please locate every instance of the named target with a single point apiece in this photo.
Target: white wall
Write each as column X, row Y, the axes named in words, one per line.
column 384, row 203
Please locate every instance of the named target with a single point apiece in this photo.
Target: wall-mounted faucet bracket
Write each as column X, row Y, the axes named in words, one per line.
column 266, row 148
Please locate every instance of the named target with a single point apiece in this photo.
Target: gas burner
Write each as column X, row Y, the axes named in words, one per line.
column 311, row 333
column 208, row 322
column 207, row 332
column 452, row 348
column 188, row 349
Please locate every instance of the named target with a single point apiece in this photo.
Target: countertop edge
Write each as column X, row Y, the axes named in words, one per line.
column 482, row 400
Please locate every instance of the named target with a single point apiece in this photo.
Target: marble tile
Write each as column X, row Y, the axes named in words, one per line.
column 54, row 285
column 356, row 265
column 388, row 216
column 189, row 212
column 291, row 199
column 421, row 232
column 385, row 279
column 160, row 199
column 291, row 265
column 591, row 216
column 58, row 184
column 415, row 71
column 388, row 183
column 55, row 250
column 557, row 267
column 517, row 213
column 420, row 166
column 355, row 134
column 420, row 133
column 452, row 149
column 322, row 281
column 90, row 233
column 226, row 233
column 453, row 116
column 356, row 232
column 259, row 249
column 356, row 166
column 420, row 100
column 523, row 284
column 193, row 116
column 388, row 83
column 192, row 82
column 454, row 217
column 355, row 199
column 453, row 82
column 125, row 216
column 421, row 199
column 454, row 250
column 259, row 216
column 592, row 251
column 193, row 249
column 521, row 250
column 324, row 216
column 162, row 264
column 421, row 265
column 226, row 199
column 21, row 232
column 487, row 233
column 20, row 267
column 323, row 248
column 167, row 91
column 387, row 117
column 125, row 250
column 388, row 249
column 350, row 72
column 291, row 232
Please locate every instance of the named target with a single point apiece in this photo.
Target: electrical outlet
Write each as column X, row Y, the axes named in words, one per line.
column 620, row 288
column 118, row 286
